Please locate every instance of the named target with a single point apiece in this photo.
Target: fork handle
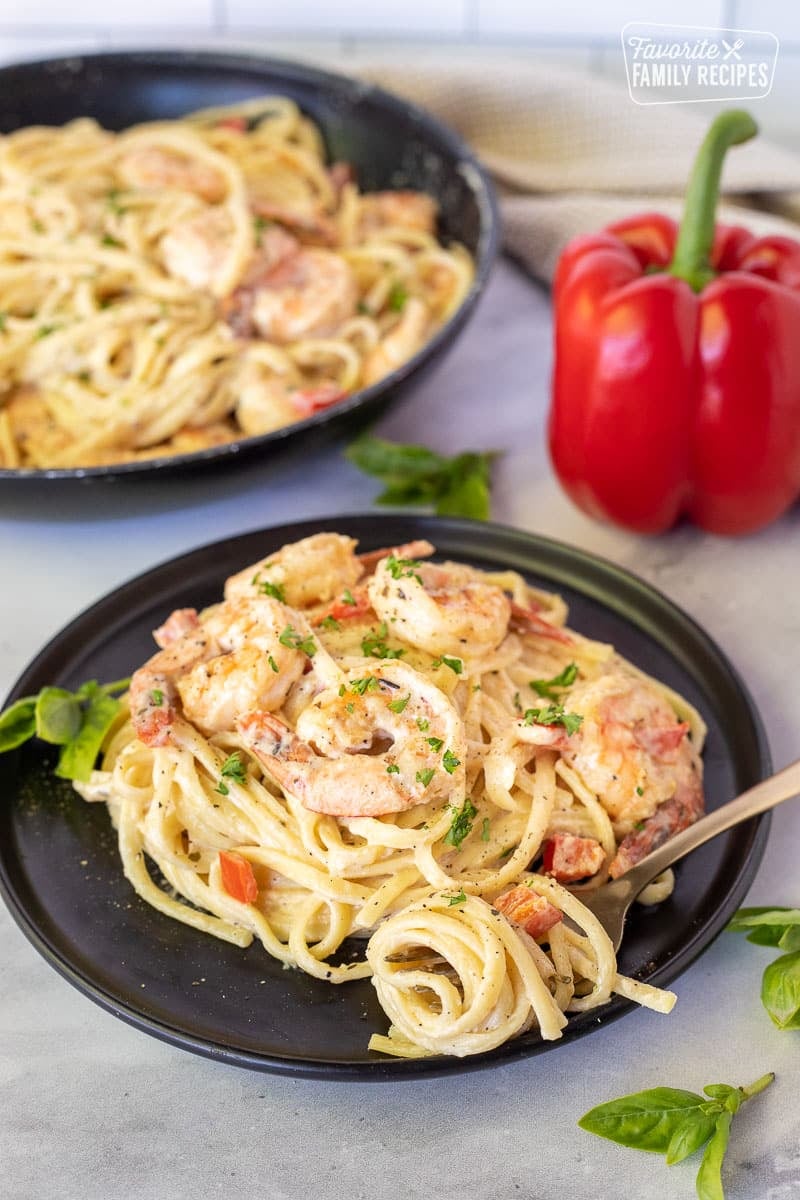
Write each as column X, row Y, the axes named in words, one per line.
column 784, row 785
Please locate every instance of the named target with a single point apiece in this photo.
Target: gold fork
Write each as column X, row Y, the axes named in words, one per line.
column 610, row 903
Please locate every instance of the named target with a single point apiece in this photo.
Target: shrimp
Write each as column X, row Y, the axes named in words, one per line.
column 400, row 343
column 445, row 609
column 403, row 209
column 197, row 250
column 215, row 669
column 360, row 751
column 632, row 751
column 153, row 167
column 306, row 293
column 272, row 402
column 312, row 571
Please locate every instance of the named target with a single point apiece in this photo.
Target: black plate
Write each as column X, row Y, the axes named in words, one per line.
column 61, row 877
column 391, row 142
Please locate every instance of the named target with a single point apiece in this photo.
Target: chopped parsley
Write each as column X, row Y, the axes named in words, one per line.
column 108, row 240
column 368, row 684
column 393, row 769
column 485, row 829
column 423, row 723
column 455, row 664
column 461, row 825
column 424, row 777
column 347, row 597
column 509, row 850
column 397, row 298
column 460, row 898
column 640, row 791
column 272, row 663
column 549, row 688
column 295, row 641
column 450, row 762
column 45, row 330
column 157, row 696
column 397, row 706
column 364, row 309
column 234, row 768
column 554, row 715
column 374, row 644
column 270, row 589
column 434, row 743
column 222, row 788
column 403, row 568
column 329, row 622
column 259, row 225
column 113, row 202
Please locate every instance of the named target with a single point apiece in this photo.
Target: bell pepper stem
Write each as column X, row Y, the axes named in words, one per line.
column 692, row 258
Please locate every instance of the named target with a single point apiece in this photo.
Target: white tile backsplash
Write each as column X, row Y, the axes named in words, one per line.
column 579, row 20
column 101, row 15
column 349, row 16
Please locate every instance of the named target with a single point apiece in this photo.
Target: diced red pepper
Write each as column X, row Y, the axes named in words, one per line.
column 567, row 857
column 237, row 123
column 238, row 879
column 313, row 400
column 527, row 908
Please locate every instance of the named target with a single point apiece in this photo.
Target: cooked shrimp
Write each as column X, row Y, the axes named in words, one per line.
column 269, row 402
column 152, row 167
column 216, row 669
column 307, row 294
column 359, row 751
column 253, row 666
column 404, row 209
column 402, row 341
column 312, row 571
column 443, row 609
column 631, row 749
column 197, row 251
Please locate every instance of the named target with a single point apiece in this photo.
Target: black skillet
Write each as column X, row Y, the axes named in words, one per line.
column 390, row 142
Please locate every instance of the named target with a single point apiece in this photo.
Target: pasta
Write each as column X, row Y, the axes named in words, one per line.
column 420, row 755
column 187, row 283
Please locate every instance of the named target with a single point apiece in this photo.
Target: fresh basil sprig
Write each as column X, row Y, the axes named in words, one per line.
column 76, row 721
column 412, row 475
column 676, row 1123
column 780, row 984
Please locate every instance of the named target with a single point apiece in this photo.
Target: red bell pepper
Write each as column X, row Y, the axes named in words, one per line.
column 238, row 878
column 676, row 387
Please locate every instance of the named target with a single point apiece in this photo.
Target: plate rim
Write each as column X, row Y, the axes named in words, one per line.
column 482, row 537
column 475, row 174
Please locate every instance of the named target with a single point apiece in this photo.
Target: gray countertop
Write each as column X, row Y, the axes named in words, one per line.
column 93, row 1109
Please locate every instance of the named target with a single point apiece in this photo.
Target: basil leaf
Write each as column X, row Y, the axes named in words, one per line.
column 78, row 756
column 457, row 486
column 765, row 926
column 377, row 456
column 731, row 1097
column 17, row 723
column 709, row 1177
column 644, row 1120
column 58, row 715
column 780, row 991
column 468, row 497
column 790, row 940
column 693, row 1132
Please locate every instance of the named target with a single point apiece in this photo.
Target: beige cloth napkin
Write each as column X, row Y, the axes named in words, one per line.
column 571, row 152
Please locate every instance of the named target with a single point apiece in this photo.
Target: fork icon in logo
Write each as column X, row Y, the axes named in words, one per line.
column 734, row 49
